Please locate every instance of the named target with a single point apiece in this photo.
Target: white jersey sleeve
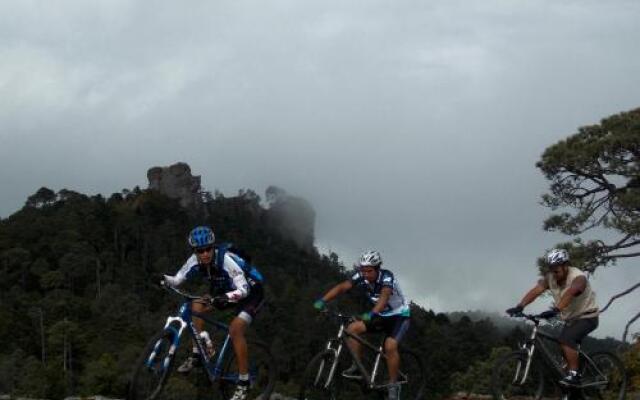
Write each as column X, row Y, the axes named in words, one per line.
column 237, row 276
column 183, row 273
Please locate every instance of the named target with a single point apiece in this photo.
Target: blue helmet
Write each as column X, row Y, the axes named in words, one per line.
column 201, row 236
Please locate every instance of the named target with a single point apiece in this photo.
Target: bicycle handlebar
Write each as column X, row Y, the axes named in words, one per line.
column 339, row 316
column 535, row 318
column 210, row 300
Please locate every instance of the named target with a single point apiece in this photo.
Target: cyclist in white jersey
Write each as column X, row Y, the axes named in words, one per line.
column 575, row 304
column 234, row 283
column 390, row 313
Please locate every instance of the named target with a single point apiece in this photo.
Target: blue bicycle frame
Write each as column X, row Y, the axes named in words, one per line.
column 175, row 327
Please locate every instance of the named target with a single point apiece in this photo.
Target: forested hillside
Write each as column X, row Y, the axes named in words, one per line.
column 79, row 294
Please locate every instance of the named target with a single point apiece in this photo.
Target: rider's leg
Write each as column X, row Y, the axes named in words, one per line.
column 199, row 322
column 193, row 360
column 393, row 358
column 570, row 337
column 237, row 330
column 395, row 327
column 571, row 356
column 246, row 312
column 358, row 328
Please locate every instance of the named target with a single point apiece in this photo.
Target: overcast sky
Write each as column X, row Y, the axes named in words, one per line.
column 413, row 127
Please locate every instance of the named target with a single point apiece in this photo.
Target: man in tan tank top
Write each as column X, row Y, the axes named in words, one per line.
column 575, row 303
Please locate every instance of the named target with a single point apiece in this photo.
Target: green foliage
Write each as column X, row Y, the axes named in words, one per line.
column 101, row 376
column 476, row 379
column 32, row 379
column 631, row 361
column 595, row 183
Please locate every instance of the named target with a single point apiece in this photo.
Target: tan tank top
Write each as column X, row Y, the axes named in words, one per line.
column 582, row 306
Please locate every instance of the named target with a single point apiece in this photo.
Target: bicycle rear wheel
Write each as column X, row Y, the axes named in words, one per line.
column 262, row 372
column 321, row 379
column 507, row 376
column 603, row 376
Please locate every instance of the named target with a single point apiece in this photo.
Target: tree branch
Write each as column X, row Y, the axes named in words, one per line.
column 621, row 241
column 614, row 256
column 626, row 292
column 626, row 245
column 626, row 328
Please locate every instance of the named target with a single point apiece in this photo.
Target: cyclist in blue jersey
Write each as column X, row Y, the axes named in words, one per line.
column 390, row 313
column 232, row 283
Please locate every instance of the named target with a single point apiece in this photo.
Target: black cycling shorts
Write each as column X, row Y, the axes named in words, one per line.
column 575, row 330
column 247, row 308
column 394, row 326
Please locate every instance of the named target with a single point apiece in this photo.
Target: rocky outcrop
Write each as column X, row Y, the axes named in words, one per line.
column 292, row 217
column 176, row 181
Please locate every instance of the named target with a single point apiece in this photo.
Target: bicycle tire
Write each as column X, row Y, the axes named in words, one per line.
column 262, row 372
column 509, row 369
column 610, row 365
column 411, row 377
column 317, row 384
column 148, row 380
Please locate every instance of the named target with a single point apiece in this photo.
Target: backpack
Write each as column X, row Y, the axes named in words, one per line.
column 241, row 257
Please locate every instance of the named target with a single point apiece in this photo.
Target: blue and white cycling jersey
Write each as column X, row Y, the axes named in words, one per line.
column 397, row 304
column 230, row 279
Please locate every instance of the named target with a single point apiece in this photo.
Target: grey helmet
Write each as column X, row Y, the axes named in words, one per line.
column 557, row 257
column 370, row 259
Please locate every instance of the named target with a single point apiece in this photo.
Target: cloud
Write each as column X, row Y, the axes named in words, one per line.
column 412, row 127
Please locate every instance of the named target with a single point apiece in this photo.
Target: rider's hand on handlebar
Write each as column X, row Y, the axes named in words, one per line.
column 515, row 310
column 220, row 301
column 320, row 304
column 167, row 281
column 366, row 317
column 552, row 313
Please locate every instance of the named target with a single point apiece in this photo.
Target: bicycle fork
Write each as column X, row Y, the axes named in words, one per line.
column 334, row 364
column 529, row 352
column 175, row 340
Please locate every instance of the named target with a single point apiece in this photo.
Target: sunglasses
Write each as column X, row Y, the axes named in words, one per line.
column 203, row 250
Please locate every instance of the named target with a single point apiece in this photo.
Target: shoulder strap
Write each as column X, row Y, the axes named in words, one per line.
column 221, row 250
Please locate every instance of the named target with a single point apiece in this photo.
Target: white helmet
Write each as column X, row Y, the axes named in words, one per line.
column 370, row 259
column 557, row 257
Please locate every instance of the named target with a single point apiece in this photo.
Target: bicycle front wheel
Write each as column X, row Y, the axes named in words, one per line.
column 603, row 376
column 508, row 380
column 262, row 372
column 152, row 369
column 321, row 378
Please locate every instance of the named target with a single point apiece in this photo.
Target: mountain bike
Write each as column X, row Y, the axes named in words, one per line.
column 323, row 378
column 522, row 374
column 153, row 377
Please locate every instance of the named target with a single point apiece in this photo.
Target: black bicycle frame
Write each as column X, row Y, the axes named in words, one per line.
column 536, row 340
column 340, row 338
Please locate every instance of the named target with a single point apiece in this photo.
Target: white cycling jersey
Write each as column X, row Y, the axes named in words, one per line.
column 229, row 279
